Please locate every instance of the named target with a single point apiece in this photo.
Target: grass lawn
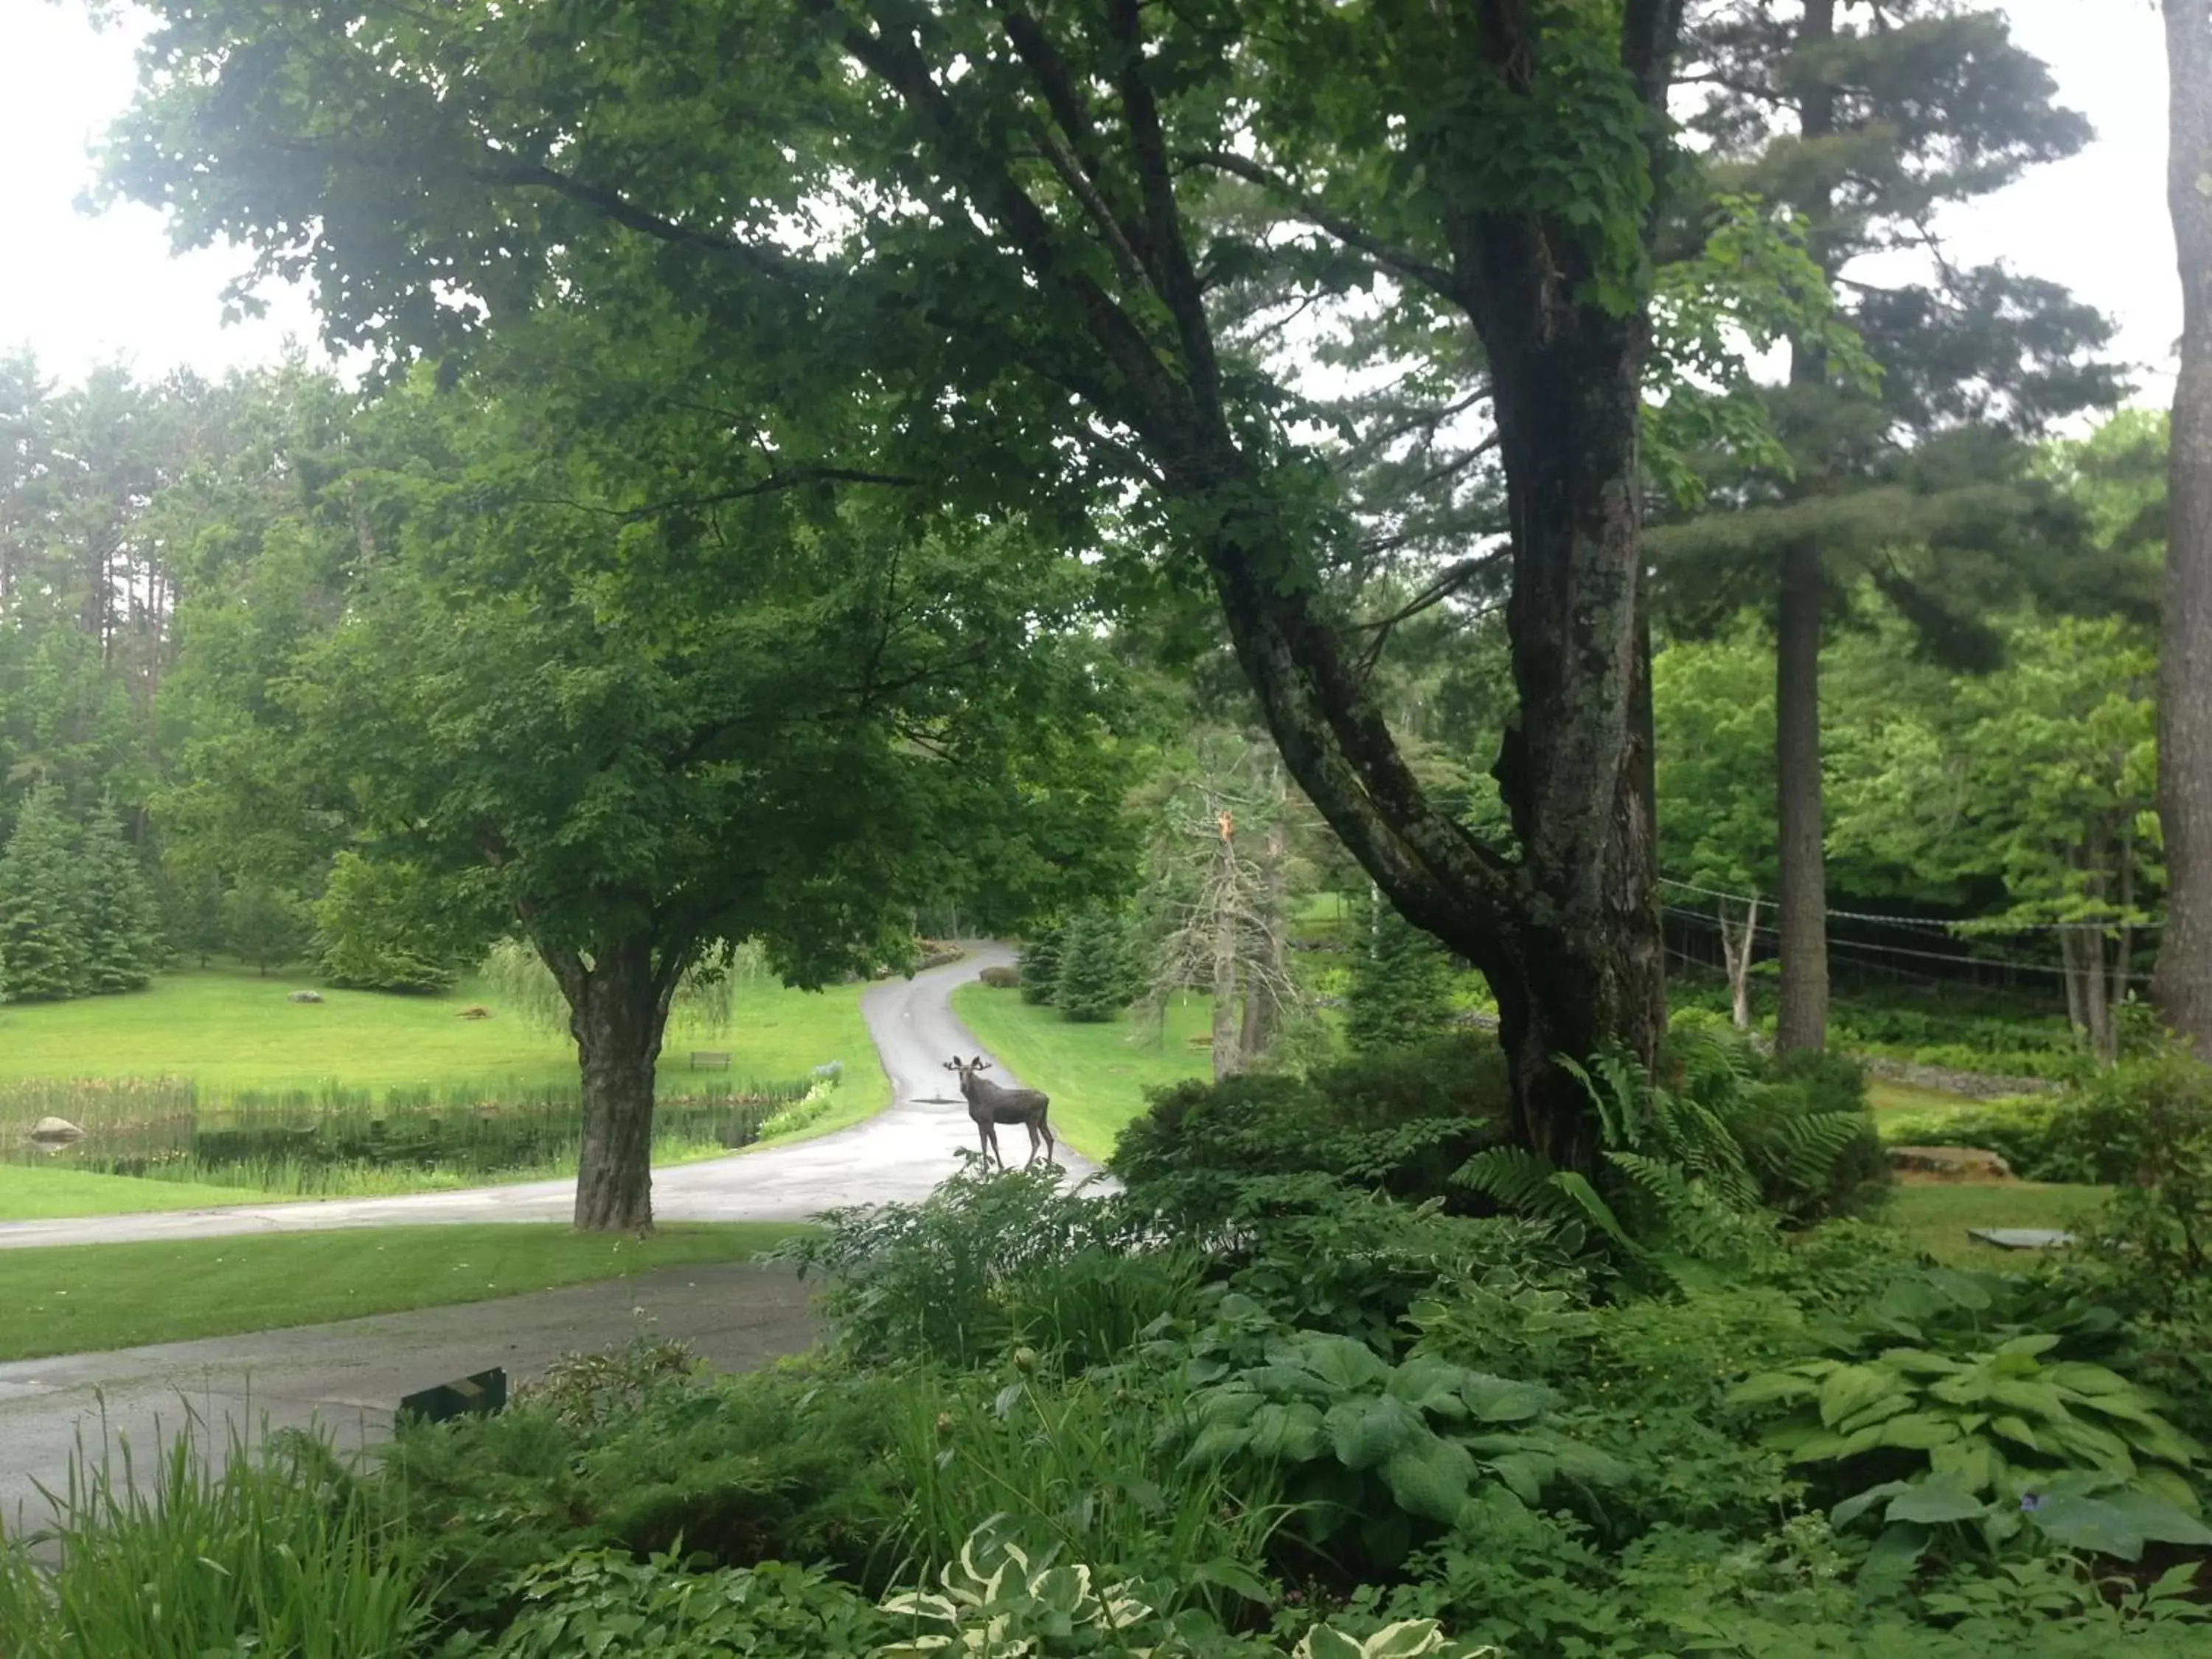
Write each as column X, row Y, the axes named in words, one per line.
column 1903, row 1097
column 1096, row 1074
column 82, row 1298
column 33, row 1194
column 229, row 1030
column 1936, row 1215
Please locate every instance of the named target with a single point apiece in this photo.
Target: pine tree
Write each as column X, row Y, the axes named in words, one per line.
column 42, row 903
column 1040, row 966
column 122, row 934
column 1096, row 982
column 1865, row 127
column 1400, row 989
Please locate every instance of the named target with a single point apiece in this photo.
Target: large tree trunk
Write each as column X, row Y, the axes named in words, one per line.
column 1565, row 928
column 1736, row 953
column 2183, row 985
column 1802, row 1022
column 617, row 1012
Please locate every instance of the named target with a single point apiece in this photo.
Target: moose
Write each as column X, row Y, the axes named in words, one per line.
column 989, row 1105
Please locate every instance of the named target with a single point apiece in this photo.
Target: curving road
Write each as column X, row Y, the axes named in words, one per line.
column 898, row 1155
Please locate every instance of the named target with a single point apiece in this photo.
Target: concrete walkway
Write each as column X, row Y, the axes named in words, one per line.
column 348, row 1376
column 897, row 1156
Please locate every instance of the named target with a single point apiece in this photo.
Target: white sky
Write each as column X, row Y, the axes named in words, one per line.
column 81, row 289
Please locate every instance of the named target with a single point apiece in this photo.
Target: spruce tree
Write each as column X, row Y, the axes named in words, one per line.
column 1400, row 989
column 1096, row 982
column 42, row 903
column 122, row 934
column 1040, row 966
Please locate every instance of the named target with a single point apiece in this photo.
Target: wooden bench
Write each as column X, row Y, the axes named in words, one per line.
column 708, row 1058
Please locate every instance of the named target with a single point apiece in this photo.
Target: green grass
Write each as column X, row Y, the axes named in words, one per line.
column 1096, row 1075
column 78, row 1298
column 229, row 1030
column 1903, row 1097
column 1936, row 1215
column 34, row 1195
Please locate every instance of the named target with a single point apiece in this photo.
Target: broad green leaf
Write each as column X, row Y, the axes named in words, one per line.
column 1367, row 1430
column 1496, row 1400
column 1934, row 1501
column 1338, row 1360
column 1849, row 1390
column 1430, row 1480
column 1288, row 1432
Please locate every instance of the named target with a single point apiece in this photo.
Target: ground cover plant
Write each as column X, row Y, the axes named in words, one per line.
column 74, row 1298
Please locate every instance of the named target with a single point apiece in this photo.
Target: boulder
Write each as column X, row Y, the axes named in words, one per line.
column 55, row 1128
column 1950, row 1163
column 304, row 996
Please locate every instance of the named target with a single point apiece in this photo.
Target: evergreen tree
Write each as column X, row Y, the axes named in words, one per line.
column 1866, row 121
column 42, row 903
column 265, row 924
column 1039, row 963
column 1096, row 981
column 122, row 931
column 1400, row 989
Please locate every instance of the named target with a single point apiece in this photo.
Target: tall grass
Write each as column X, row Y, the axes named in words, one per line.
column 1079, row 1465
column 282, row 1553
column 333, row 1139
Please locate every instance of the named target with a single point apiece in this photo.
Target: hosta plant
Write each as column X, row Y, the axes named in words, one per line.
column 999, row 1601
column 2000, row 1439
column 1358, row 1440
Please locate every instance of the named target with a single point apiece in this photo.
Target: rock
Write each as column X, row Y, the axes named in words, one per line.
column 1951, row 1163
column 304, row 996
column 55, row 1128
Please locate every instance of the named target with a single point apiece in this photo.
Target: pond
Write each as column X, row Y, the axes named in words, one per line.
column 334, row 1140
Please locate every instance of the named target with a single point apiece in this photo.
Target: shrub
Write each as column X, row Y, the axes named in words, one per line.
column 1038, row 965
column 931, row 1281
column 1400, row 991
column 1806, row 1089
column 1000, row 978
column 1097, row 980
column 2151, row 1121
column 781, row 1465
column 385, row 927
column 1402, row 1122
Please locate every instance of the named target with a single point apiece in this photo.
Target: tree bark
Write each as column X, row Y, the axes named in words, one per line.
column 1736, row 954
column 1224, row 1050
column 1802, row 1022
column 2183, row 983
column 618, row 1006
column 1262, row 1018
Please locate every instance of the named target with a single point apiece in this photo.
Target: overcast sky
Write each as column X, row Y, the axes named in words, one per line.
column 81, row 289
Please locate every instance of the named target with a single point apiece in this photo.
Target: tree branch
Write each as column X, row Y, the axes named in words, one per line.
column 1433, row 277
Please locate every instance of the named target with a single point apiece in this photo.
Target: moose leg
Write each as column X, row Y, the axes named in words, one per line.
column 1051, row 1146
column 1029, row 1123
column 989, row 1138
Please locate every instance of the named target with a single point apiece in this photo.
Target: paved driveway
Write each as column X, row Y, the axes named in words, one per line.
column 348, row 1376
column 898, row 1155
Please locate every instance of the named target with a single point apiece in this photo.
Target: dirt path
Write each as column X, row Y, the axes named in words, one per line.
column 897, row 1155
